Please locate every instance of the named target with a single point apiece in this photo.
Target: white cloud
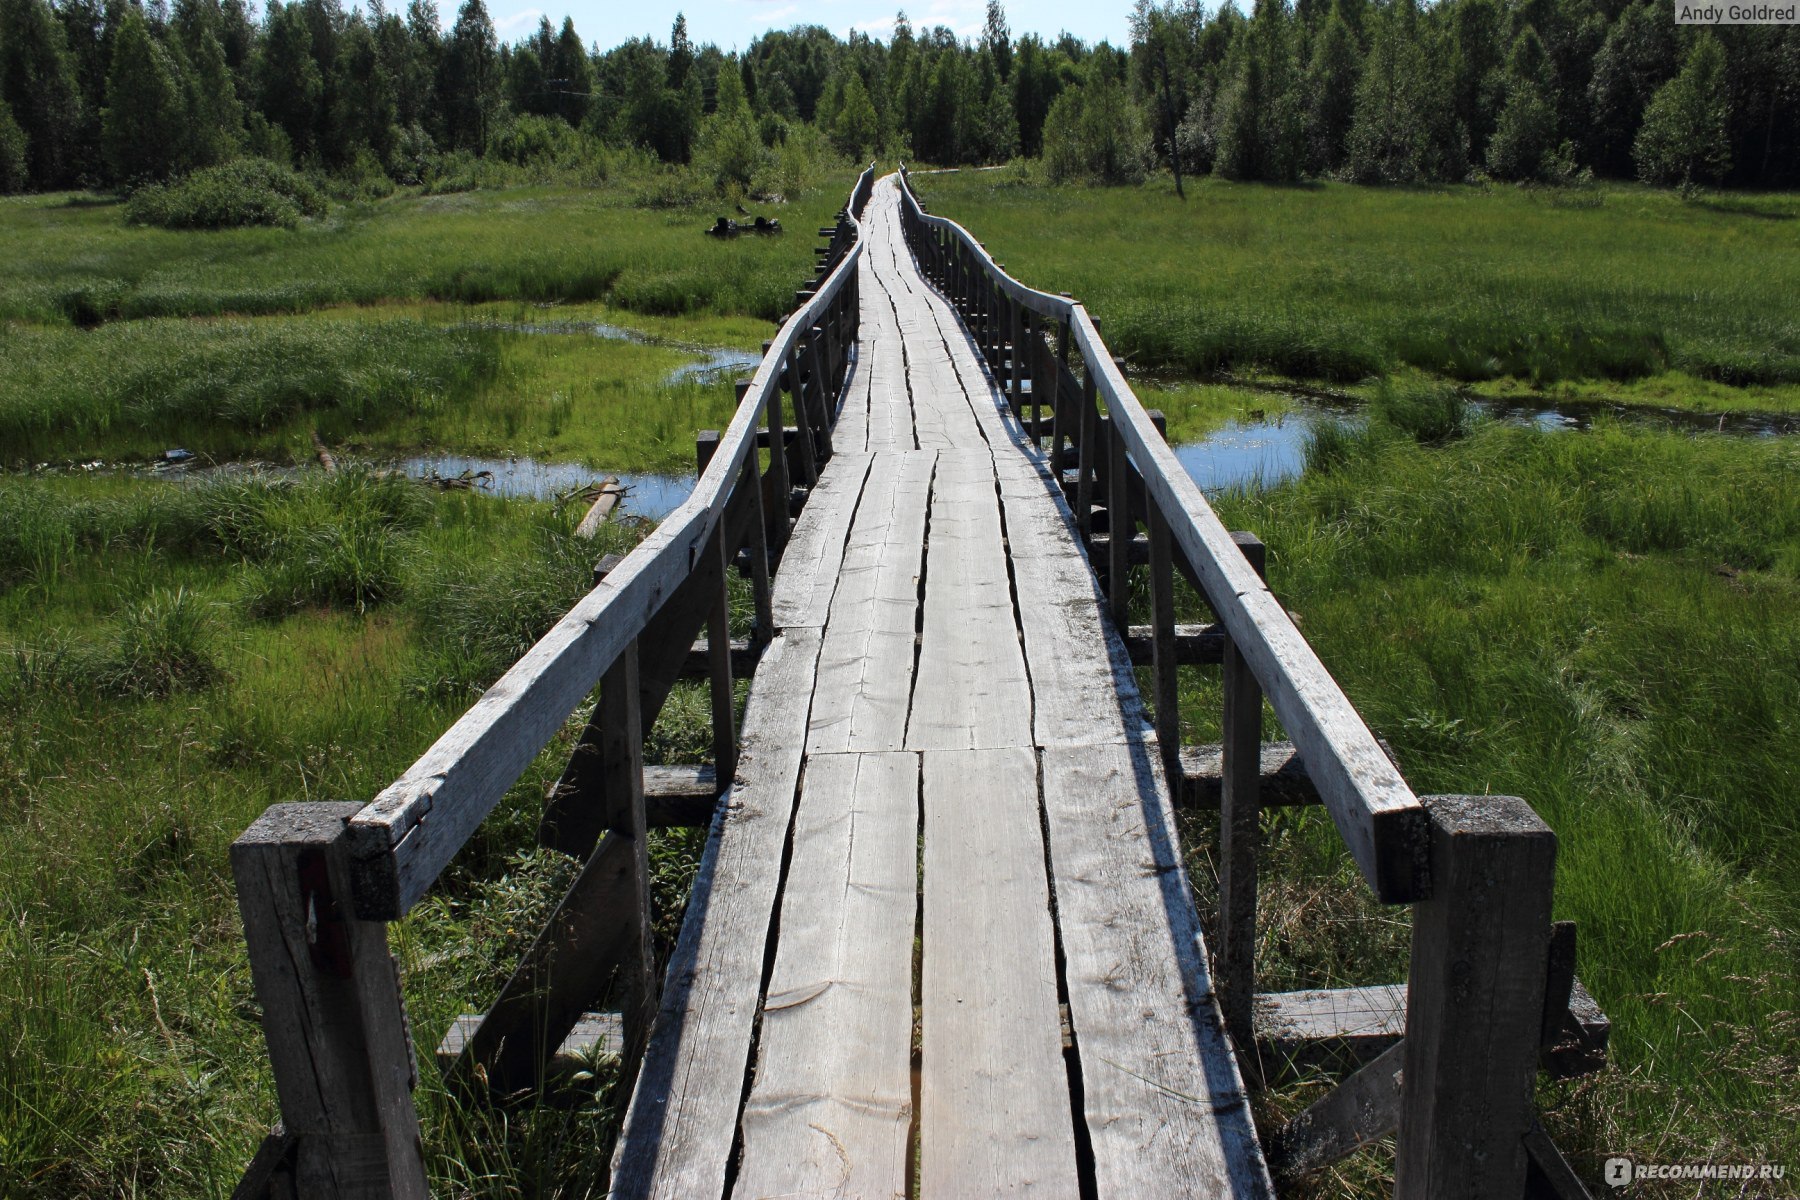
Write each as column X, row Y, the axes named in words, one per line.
column 519, row 22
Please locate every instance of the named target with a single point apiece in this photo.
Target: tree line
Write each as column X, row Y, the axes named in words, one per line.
column 120, row 92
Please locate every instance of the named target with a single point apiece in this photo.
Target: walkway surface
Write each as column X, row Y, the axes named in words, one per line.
column 941, row 943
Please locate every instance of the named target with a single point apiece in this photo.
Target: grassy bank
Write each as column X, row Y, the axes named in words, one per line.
column 179, row 657
column 1636, row 292
column 1606, row 624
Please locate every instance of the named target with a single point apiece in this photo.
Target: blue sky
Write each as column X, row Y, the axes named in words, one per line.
column 731, row 24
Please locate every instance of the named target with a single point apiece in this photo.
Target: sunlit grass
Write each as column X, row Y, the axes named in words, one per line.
column 1608, row 625
column 1338, row 282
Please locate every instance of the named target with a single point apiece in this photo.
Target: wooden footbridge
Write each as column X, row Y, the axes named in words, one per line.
column 941, row 942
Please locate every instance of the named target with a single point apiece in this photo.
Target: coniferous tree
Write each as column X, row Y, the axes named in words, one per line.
column 572, row 75
column 1331, row 91
column 856, row 130
column 289, row 88
column 1260, row 134
column 729, row 145
column 37, row 82
column 215, row 119
column 996, row 39
column 469, row 79
column 1685, row 138
column 1405, row 128
column 366, row 112
column 1525, row 136
column 1478, row 79
column 1035, row 84
column 416, row 78
column 15, row 170
column 141, row 128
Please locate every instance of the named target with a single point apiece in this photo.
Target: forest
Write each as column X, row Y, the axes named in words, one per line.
column 119, row 94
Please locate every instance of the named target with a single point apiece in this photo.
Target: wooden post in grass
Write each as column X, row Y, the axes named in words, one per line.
column 1474, row 1001
column 331, row 1010
column 1240, row 832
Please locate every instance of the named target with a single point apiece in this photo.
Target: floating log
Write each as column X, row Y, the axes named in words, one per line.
column 611, row 492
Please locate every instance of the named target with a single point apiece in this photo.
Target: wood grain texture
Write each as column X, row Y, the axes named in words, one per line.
column 972, row 691
column 831, row 1110
column 1083, row 690
column 1165, row 1107
column 678, row 1131
column 994, row 1116
column 1474, row 1001
column 807, row 577
column 866, row 666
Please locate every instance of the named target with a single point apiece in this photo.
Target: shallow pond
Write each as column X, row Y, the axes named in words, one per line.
column 646, row 495
column 1264, row 453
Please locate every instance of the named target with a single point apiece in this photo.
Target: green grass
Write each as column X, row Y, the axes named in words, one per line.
column 382, row 381
column 152, row 703
column 1337, row 282
column 1608, row 625
column 66, row 256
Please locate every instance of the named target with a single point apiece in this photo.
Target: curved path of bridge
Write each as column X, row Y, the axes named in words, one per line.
column 943, row 928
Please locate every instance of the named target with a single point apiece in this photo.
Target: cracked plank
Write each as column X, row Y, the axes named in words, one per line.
column 994, row 1115
column 678, row 1131
column 866, row 667
column 831, row 1110
column 972, row 691
column 1165, row 1106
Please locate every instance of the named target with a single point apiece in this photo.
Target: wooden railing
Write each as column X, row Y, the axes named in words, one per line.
column 317, row 883
column 1491, row 987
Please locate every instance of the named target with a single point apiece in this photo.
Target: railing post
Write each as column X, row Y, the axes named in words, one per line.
column 1165, row 674
column 1086, row 453
column 777, row 513
column 818, row 353
column 718, row 645
column 1018, row 323
column 331, row 1011
column 1474, row 1001
column 622, row 786
column 1120, row 528
column 1240, row 833
column 759, row 551
column 809, row 454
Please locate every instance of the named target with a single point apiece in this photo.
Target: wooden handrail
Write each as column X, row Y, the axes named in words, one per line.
column 402, row 839
column 1379, row 817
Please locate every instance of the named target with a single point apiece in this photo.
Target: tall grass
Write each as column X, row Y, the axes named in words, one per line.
column 1608, row 625
column 1339, row 282
column 134, row 1063
column 217, row 385
column 540, row 243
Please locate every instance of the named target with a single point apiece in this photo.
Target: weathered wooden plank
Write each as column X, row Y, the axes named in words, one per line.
column 331, row 1009
column 831, row 1110
column 1295, row 1027
column 1474, row 1001
column 994, row 1113
column 682, row 1119
column 402, row 839
column 1083, row 690
column 1363, row 1021
column 866, row 665
column 972, row 690
column 1379, row 817
column 593, row 1034
column 1284, row 783
column 1358, row 1111
column 807, row 577
column 1165, row 1106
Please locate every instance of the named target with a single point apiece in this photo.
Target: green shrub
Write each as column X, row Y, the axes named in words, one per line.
column 249, row 191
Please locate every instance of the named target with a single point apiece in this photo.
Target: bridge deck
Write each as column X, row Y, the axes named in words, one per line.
column 941, row 935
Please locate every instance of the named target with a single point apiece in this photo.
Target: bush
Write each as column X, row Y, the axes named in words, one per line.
column 249, row 191
column 160, row 648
